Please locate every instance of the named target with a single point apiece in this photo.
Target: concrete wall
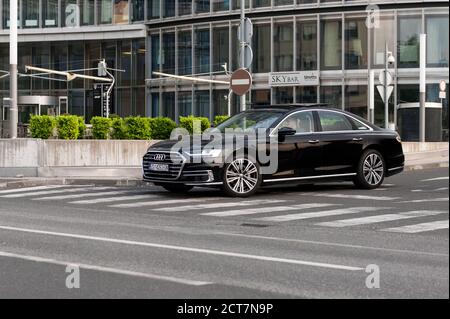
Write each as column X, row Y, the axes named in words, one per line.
column 119, row 158
column 79, row 158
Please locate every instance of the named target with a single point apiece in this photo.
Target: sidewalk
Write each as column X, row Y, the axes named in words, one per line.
column 414, row 161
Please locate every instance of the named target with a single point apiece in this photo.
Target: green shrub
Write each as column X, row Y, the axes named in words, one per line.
column 161, row 127
column 101, row 127
column 187, row 122
column 219, row 119
column 81, row 127
column 138, row 128
column 41, row 126
column 67, row 127
column 119, row 130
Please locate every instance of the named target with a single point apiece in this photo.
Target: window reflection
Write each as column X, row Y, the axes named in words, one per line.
column 331, row 45
column 408, row 42
column 355, row 44
column 307, row 45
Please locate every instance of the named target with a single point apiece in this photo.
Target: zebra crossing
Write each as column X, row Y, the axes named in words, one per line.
column 278, row 209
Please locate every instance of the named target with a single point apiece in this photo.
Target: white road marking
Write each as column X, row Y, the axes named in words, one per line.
column 327, row 213
column 183, row 248
column 440, row 199
column 435, row 179
column 26, row 189
column 112, row 199
column 81, row 195
column 164, row 202
column 220, row 205
column 419, row 228
column 349, row 196
column 105, row 269
column 250, row 211
column 379, row 218
column 417, row 190
column 441, row 189
column 59, row 191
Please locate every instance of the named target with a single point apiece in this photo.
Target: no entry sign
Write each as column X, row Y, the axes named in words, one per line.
column 241, row 82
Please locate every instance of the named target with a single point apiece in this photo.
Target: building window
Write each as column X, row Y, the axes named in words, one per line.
column 124, row 107
column 155, row 104
column 408, row 42
column 139, row 62
column 168, row 8
column 385, row 33
column 50, row 13
column 138, row 10
column 185, row 52
column 437, row 41
column 283, row 47
column 121, row 11
column 59, row 62
column 237, row 4
column 408, row 93
column 105, row 9
column 331, row 95
column 185, row 103
column 202, row 61
column 30, row 13
column 433, row 96
column 331, row 45
column 124, row 51
column 76, row 61
column 221, row 44
column 184, row 7
column 40, row 56
column 153, row 9
column 306, row 94
column 282, row 2
column 202, row 103
column 261, row 97
column 355, row 44
column 168, row 105
column 261, row 48
column 221, row 5
column 220, row 102
column 87, row 12
column 307, row 46
column 356, row 100
column 168, row 53
column 283, row 95
column 261, row 3
column 202, row 6
column 155, row 54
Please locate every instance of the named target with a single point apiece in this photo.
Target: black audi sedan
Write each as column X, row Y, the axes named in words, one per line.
column 277, row 144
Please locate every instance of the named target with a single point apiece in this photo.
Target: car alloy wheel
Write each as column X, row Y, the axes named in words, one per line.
column 241, row 177
column 373, row 169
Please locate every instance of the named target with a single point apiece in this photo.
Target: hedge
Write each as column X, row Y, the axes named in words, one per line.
column 187, row 122
column 81, row 127
column 219, row 119
column 67, row 127
column 101, row 127
column 138, row 128
column 161, row 127
column 42, row 126
column 119, row 130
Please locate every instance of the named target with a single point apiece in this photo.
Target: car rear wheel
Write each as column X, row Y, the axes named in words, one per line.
column 241, row 177
column 177, row 188
column 371, row 170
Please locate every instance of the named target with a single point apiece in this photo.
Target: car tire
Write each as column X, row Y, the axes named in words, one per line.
column 371, row 170
column 241, row 177
column 177, row 188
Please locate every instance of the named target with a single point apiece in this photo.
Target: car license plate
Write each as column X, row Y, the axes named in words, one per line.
column 159, row 167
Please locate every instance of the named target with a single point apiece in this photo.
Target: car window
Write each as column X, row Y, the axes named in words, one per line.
column 332, row 122
column 302, row 122
column 357, row 125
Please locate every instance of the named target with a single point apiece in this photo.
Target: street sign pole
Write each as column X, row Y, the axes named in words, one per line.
column 386, row 99
column 243, row 97
column 13, row 115
column 422, row 90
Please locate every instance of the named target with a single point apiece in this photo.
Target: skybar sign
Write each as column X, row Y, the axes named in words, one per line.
column 305, row 78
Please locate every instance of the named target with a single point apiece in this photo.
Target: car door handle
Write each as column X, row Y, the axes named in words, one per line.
column 313, row 141
column 357, row 139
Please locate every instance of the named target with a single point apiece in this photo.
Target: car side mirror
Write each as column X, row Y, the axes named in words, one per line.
column 285, row 131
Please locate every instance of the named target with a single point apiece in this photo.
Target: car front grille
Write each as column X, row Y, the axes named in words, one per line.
column 174, row 160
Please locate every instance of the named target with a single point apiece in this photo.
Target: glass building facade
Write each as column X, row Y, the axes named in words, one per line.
column 199, row 37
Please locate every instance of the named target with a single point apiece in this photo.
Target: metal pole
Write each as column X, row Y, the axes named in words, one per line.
column 422, row 90
column 243, row 106
column 13, row 117
column 372, row 96
column 108, row 93
column 386, row 102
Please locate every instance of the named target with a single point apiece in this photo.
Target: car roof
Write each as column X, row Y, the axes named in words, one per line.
column 288, row 107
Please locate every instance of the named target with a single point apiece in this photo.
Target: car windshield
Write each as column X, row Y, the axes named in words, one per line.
column 251, row 120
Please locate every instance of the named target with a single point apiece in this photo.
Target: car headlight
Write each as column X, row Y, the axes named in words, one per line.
column 206, row 153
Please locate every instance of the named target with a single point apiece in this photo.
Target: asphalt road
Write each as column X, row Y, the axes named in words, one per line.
column 317, row 242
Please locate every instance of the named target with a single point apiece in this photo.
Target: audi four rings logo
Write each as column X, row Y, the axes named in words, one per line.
column 160, row 157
